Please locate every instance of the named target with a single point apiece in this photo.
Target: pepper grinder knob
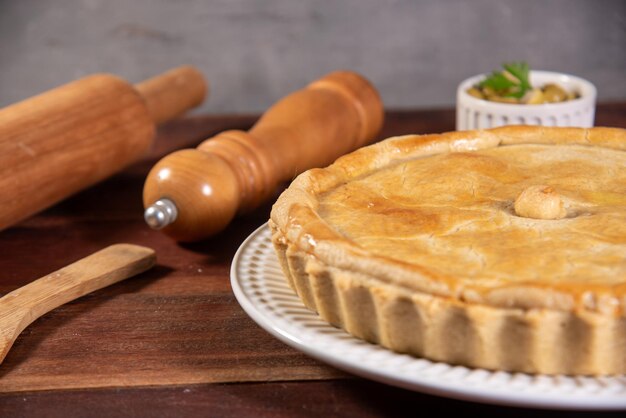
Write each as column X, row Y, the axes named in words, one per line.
column 160, row 214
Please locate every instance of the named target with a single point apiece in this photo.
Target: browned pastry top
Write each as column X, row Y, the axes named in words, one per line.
column 515, row 216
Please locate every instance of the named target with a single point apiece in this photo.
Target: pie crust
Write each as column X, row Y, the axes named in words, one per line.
column 502, row 249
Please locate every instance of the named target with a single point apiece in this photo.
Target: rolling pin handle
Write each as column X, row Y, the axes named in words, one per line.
column 172, row 93
column 161, row 214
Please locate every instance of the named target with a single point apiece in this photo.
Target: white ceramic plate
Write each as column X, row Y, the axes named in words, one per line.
column 261, row 289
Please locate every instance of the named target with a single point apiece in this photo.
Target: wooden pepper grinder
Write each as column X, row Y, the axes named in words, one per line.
column 195, row 193
column 64, row 140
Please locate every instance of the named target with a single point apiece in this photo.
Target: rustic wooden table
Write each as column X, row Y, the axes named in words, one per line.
column 174, row 341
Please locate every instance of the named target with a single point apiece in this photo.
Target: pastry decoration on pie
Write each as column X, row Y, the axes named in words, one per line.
column 502, row 249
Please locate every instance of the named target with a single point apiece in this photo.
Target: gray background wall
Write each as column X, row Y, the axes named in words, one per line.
column 255, row 51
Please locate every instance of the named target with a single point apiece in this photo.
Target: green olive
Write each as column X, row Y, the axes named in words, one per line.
column 488, row 92
column 553, row 93
column 473, row 91
column 535, row 96
column 572, row 95
column 549, row 93
column 502, row 99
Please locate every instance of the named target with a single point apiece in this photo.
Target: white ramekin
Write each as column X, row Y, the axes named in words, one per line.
column 474, row 113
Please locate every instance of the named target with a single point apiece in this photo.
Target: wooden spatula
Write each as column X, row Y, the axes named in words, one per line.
column 22, row 306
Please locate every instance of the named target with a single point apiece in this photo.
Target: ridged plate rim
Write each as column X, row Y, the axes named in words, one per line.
column 263, row 292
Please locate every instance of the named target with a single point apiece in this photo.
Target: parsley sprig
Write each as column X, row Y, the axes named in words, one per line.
column 512, row 82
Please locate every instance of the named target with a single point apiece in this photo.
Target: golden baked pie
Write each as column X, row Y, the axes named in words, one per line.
column 502, row 249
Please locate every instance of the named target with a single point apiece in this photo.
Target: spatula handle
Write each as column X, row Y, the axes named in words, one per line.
column 22, row 306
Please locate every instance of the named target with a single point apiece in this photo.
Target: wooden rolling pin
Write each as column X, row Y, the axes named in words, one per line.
column 195, row 193
column 62, row 141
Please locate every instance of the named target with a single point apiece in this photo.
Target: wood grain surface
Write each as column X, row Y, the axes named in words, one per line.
column 175, row 336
